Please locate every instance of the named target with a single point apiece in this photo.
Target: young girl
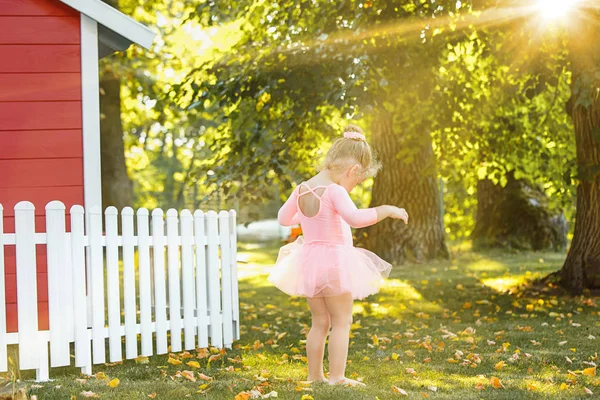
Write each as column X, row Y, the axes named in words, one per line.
column 325, row 267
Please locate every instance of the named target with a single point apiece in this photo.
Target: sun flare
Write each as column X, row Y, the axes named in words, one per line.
column 554, row 9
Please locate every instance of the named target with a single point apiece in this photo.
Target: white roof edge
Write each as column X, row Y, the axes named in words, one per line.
column 114, row 20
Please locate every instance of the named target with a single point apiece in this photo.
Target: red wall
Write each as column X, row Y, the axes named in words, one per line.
column 41, row 154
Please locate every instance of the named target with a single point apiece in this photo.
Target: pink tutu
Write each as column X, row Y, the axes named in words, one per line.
column 308, row 269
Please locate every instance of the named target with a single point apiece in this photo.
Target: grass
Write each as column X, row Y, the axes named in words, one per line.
column 436, row 330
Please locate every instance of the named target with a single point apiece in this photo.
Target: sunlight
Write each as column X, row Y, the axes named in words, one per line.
column 553, row 9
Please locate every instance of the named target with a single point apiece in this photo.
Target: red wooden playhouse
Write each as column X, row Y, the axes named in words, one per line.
column 49, row 112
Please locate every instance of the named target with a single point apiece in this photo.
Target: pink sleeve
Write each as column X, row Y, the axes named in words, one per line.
column 288, row 213
column 343, row 204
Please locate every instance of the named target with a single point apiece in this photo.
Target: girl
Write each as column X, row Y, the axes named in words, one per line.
column 325, row 267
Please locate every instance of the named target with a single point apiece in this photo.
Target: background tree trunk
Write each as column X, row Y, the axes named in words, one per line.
column 582, row 266
column 117, row 188
column 516, row 216
column 411, row 185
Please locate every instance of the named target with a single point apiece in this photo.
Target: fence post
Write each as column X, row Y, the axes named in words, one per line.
column 113, row 284
column 58, row 280
column 226, row 278
column 29, row 357
column 160, row 299
column 187, row 279
column 201, row 281
column 145, row 279
column 83, row 357
column 174, row 279
column 97, row 284
column 234, row 275
column 214, row 284
column 129, row 293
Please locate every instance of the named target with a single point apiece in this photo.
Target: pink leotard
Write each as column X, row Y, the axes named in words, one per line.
column 331, row 224
column 324, row 262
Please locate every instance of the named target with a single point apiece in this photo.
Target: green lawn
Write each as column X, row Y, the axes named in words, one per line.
column 439, row 330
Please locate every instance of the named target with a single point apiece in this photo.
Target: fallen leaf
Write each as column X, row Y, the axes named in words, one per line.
column 590, row 371
column 189, row 375
column 153, row 395
column 242, row 396
column 174, row 361
column 114, row 383
column 588, row 391
column 432, row 388
column 142, row 360
column 500, row 365
column 396, row 389
column 204, row 377
column 193, row 364
column 307, row 397
column 495, row 382
column 563, row 386
column 89, row 394
column 411, row 371
column 480, row 386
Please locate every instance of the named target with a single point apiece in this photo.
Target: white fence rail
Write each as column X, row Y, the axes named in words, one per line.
column 183, row 282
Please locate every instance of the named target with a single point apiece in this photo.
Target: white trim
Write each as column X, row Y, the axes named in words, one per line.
column 114, row 20
column 90, row 100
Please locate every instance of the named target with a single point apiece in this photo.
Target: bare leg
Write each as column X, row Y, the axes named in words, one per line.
column 315, row 342
column 340, row 310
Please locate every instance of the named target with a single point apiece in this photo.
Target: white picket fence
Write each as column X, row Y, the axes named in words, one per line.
column 190, row 269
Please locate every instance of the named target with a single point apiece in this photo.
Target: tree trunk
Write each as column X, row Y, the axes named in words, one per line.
column 117, row 188
column 582, row 267
column 410, row 184
column 516, row 216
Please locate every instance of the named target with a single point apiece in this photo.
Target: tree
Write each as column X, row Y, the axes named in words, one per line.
column 117, row 189
column 582, row 267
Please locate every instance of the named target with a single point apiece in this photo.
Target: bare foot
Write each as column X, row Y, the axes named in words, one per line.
column 347, row 382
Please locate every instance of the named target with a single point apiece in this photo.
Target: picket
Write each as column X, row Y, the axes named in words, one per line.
column 174, row 280
column 145, row 278
column 199, row 280
column 129, row 295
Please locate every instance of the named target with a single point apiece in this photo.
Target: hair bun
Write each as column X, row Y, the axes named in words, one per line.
column 354, row 132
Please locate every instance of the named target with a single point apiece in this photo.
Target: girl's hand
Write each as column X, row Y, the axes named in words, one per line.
column 399, row 213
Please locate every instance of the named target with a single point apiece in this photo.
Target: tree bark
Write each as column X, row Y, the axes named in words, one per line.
column 117, row 189
column 410, row 184
column 516, row 216
column 582, row 267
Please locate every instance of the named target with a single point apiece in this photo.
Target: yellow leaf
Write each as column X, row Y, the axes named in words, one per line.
column 480, row 386
column 375, row 340
column 142, row 360
column 563, row 386
column 173, row 361
column 452, row 360
column 242, row 396
column 399, row 391
column 467, row 305
column 500, row 365
column 505, row 346
column 495, row 382
column 590, row 371
column 425, row 395
column 531, row 387
column 193, row 364
column 114, row 383
column 281, row 335
column 307, row 397
column 395, row 356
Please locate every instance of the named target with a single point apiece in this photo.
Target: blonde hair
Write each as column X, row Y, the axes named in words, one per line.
column 352, row 148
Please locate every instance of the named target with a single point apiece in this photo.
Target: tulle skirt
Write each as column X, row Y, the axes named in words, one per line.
column 328, row 269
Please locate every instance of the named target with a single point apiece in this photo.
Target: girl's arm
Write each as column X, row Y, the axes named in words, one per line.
column 288, row 213
column 356, row 218
column 360, row 218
